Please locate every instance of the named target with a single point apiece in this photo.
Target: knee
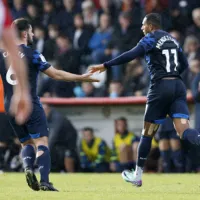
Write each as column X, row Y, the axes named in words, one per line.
column 28, row 142
column 43, row 141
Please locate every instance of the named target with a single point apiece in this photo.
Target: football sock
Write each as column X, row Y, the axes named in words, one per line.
column 192, row 135
column 2, row 154
column 166, row 156
column 44, row 163
column 144, row 148
column 28, row 156
column 178, row 160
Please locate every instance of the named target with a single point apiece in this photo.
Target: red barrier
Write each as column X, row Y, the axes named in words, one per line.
column 100, row 101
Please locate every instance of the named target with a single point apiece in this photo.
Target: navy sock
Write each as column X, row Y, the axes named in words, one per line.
column 144, row 148
column 44, row 163
column 28, row 156
column 166, row 157
column 192, row 135
column 178, row 160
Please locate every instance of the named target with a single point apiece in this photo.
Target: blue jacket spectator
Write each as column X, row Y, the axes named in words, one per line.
column 100, row 39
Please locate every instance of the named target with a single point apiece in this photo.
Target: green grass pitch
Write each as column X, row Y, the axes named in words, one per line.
column 104, row 187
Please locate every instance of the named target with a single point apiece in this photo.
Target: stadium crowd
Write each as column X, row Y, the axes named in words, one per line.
column 73, row 34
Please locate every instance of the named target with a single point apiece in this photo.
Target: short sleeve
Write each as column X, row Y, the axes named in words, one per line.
column 40, row 61
column 148, row 42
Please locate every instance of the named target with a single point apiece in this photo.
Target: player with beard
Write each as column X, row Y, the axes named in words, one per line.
column 33, row 135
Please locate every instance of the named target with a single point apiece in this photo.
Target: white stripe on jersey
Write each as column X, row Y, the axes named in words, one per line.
column 2, row 17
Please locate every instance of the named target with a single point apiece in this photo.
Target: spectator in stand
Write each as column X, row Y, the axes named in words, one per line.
column 18, row 9
column 177, row 35
column 122, row 40
column 49, row 15
column 135, row 11
column 39, row 36
column 108, row 7
column 170, row 148
column 192, row 51
column 66, row 16
column 82, row 35
column 161, row 7
column 196, row 94
column 33, row 15
column 125, row 143
column 100, row 39
column 67, row 57
column 94, row 152
column 181, row 12
column 50, row 44
column 195, row 28
column 90, row 14
column 62, row 141
column 116, row 89
column 192, row 47
column 135, row 80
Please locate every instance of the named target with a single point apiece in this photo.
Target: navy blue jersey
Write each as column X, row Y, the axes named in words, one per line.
column 35, row 62
column 162, row 54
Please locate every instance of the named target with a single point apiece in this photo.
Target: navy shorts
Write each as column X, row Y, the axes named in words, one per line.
column 166, row 97
column 34, row 128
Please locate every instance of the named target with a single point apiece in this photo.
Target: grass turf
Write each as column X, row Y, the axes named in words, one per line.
column 104, row 187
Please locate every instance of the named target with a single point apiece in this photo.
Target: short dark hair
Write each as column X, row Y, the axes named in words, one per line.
column 21, row 25
column 90, row 129
column 154, row 19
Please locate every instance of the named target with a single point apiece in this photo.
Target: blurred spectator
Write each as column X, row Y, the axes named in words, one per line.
column 161, row 7
column 109, row 8
column 177, row 35
column 116, row 89
column 50, row 44
column 181, row 12
column 135, row 80
column 89, row 13
column 122, row 40
column 191, row 48
column 51, row 88
column 62, row 141
column 49, row 15
column 170, row 148
column 195, row 28
column 94, row 152
column 65, row 17
column 125, row 145
column 82, row 35
column 134, row 9
column 100, row 39
column 68, row 58
column 18, row 10
column 196, row 93
column 88, row 90
column 33, row 15
column 39, row 36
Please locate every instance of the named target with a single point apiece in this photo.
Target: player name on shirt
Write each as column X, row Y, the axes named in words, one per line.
column 165, row 38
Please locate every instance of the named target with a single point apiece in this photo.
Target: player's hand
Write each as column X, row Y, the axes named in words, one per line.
column 96, row 68
column 87, row 78
column 21, row 106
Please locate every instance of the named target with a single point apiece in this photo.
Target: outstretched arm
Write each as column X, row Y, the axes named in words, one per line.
column 123, row 58
column 126, row 56
column 66, row 76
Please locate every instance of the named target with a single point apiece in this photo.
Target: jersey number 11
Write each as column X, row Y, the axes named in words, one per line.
column 168, row 53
